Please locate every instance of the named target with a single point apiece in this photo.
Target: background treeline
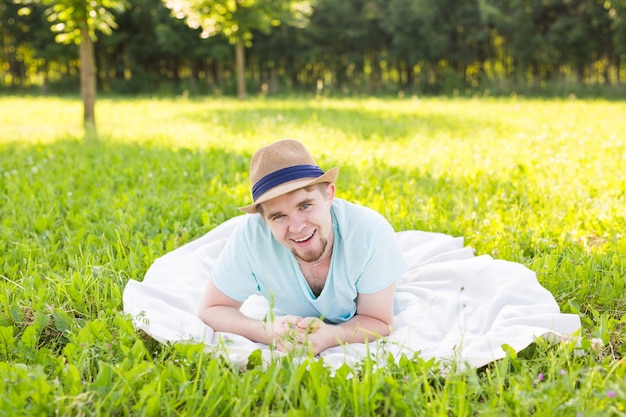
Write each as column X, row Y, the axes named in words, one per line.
column 347, row 46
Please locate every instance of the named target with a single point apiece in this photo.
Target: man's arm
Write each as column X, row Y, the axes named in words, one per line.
column 373, row 319
column 222, row 314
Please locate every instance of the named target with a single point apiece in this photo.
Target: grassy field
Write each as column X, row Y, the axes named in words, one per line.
column 540, row 182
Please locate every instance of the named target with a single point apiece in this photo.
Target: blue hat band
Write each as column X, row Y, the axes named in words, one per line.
column 282, row 176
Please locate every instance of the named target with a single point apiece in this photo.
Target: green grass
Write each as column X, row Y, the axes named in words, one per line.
column 540, row 182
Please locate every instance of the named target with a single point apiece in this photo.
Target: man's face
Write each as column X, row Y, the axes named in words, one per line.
column 301, row 221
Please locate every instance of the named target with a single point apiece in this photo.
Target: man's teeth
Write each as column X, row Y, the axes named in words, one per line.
column 303, row 239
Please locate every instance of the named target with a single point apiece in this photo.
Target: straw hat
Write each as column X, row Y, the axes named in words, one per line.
column 282, row 167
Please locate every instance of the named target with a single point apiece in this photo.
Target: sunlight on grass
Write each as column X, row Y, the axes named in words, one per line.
column 539, row 182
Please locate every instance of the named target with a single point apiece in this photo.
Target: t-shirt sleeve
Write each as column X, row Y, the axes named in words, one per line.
column 385, row 262
column 232, row 270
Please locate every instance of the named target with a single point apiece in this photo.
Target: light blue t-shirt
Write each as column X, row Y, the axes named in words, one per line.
column 365, row 259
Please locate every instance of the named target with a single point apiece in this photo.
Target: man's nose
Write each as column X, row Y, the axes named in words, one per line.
column 297, row 223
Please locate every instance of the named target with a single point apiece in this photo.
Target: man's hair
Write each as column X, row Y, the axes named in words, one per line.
column 321, row 186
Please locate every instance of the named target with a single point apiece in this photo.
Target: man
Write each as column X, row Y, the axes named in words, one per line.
column 328, row 267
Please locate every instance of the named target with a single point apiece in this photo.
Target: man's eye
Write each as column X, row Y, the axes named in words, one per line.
column 278, row 216
column 305, row 206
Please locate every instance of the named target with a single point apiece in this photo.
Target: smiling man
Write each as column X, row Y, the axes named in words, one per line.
column 327, row 266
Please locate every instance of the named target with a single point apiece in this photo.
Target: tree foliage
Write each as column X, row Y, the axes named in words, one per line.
column 67, row 16
column 423, row 46
column 236, row 20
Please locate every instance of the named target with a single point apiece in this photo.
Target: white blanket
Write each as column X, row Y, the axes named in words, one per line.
column 450, row 305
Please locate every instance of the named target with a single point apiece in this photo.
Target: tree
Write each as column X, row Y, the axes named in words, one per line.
column 346, row 37
column 152, row 51
column 77, row 21
column 419, row 32
column 237, row 19
column 16, row 24
column 619, row 33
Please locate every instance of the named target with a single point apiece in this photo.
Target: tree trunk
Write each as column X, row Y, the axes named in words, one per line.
column 240, row 61
column 44, row 72
column 195, row 76
column 87, row 80
column 606, row 72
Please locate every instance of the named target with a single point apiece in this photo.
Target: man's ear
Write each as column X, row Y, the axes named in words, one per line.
column 330, row 191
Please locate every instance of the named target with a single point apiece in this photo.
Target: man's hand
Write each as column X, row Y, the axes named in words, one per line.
column 308, row 335
column 373, row 319
column 281, row 332
column 315, row 336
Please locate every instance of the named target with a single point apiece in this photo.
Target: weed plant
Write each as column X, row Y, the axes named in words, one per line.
column 539, row 182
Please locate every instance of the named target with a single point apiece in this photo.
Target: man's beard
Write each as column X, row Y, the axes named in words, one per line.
column 311, row 257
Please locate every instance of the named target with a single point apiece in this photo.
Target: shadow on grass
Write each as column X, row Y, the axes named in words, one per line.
column 72, row 205
column 357, row 123
column 153, row 188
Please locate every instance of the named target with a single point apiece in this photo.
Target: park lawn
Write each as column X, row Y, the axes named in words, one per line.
column 540, row 182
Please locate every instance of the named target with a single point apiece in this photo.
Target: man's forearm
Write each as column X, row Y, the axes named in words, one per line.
column 231, row 320
column 361, row 328
column 278, row 331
